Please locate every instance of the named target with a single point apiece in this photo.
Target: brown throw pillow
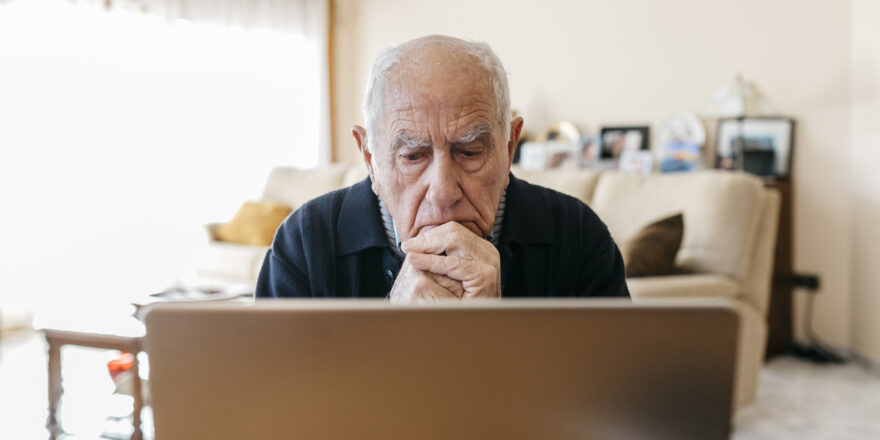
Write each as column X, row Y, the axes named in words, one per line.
column 651, row 252
column 254, row 223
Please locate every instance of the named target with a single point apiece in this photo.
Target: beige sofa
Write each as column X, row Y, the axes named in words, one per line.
column 727, row 249
column 234, row 264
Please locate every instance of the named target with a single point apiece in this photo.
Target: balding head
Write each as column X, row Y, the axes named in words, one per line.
column 408, row 67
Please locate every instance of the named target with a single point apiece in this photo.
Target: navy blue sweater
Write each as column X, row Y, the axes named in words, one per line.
column 552, row 245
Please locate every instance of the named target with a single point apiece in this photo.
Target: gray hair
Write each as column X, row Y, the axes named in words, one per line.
column 377, row 82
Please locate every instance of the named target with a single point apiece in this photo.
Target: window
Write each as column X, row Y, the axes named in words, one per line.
column 123, row 133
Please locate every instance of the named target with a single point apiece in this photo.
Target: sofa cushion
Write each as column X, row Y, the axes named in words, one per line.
column 254, row 223
column 652, row 251
column 678, row 286
column 721, row 209
column 578, row 183
column 222, row 262
column 295, row 187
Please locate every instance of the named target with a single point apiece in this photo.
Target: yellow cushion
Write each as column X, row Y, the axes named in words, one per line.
column 254, row 223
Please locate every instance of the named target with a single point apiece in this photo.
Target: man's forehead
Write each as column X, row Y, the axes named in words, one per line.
column 442, row 80
column 423, row 85
column 412, row 114
column 424, row 98
column 464, row 133
column 421, row 125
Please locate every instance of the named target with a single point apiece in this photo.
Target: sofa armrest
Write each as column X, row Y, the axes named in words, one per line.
column 221, row 262
column 759, row 276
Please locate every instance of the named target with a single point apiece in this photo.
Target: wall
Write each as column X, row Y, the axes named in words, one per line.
column 865, row 179
column 602, row 62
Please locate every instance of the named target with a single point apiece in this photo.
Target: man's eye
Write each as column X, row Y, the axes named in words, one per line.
column 412, row 157
column 471, row 153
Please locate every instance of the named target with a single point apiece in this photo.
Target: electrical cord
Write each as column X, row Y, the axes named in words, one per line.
column 815, row 350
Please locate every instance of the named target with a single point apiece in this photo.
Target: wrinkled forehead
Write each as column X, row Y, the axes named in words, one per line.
column 447, row 92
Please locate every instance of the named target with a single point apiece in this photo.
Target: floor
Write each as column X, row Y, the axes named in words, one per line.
column 797, row 400
column 800, row 400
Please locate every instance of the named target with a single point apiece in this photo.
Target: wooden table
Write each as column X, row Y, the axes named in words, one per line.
column 114, row 327
column 127, row 341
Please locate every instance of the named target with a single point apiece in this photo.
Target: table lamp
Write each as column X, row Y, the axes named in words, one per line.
column 738, row 99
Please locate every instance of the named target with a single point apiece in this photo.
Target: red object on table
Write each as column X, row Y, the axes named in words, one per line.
column 117, row 366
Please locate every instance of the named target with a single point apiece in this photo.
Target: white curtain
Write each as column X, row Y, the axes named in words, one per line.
column 308, row 18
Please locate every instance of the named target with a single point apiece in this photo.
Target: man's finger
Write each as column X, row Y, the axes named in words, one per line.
column 436, row 241
column 454, row 286
column 428, row 289
column 449, row 265
column 414, row 285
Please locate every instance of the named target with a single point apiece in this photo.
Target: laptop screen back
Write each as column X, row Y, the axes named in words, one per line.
column 500, row 369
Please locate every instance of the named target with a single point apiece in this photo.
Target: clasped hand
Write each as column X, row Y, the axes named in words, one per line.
column 449, row 261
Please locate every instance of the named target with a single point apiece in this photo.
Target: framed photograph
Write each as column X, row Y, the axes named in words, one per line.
column 551, row 154
column 759, row 146
column 589, row 150
column 636, row 162
column 533, row 156
column 615, row 140
column 563, row 154
column 681, row 139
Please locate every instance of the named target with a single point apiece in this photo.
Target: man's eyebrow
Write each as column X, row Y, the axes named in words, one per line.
column 474, row 134
column 403, row 139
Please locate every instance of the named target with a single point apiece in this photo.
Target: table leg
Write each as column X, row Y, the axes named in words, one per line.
column 55, row 389
column 137, row 394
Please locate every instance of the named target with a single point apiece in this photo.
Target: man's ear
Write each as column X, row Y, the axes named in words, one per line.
column 360, row 136
column 516, row 126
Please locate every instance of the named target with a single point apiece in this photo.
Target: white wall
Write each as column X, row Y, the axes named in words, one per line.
column 597, row 62
column 865, row 176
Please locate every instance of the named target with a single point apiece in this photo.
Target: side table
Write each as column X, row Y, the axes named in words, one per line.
column 115, row 327
column 58, row 338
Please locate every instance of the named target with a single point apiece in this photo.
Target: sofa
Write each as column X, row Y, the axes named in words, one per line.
column 727, row 248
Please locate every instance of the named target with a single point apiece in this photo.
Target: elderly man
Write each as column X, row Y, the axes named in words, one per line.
column 440, row 215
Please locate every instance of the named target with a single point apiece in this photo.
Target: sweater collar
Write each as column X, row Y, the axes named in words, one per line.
column 359, row 225
column 527, row 220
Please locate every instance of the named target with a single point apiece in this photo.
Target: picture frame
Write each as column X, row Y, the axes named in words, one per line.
column 636, row 162
column 681, row 139
column 549, row 155
column 589, row 153
column 613, row 141
column 767, row 147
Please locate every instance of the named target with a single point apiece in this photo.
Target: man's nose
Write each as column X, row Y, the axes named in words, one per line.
column 444, row 186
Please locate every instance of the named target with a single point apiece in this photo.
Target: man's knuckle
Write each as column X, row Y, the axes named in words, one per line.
column 421, row 281
column 452, row 262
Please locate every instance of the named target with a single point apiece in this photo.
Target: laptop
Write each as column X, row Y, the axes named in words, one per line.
column 502, row 369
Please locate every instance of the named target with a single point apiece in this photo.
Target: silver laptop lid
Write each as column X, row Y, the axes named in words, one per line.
column 343, row 369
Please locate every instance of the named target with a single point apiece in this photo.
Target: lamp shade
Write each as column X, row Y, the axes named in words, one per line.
column 739, row 98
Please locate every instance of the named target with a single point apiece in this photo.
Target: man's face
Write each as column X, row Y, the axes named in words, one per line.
column 441, row 154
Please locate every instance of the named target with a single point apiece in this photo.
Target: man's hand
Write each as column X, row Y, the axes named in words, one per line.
column 414, row 285
column 452, row 252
